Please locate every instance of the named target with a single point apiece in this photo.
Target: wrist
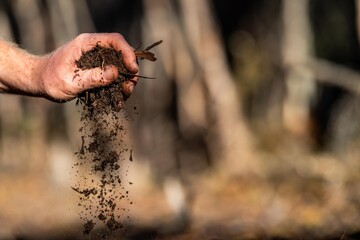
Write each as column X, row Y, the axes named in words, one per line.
column 37, row 66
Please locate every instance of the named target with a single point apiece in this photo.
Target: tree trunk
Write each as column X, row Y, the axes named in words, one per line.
column 300, row 84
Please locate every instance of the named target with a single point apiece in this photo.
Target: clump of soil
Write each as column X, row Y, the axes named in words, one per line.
column 103, row 150
column 110, row 95
column 101, row 98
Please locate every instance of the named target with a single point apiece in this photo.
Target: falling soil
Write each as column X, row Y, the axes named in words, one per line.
column 100, row 167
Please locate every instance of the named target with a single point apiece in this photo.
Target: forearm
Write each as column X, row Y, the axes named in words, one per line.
column 19, row 70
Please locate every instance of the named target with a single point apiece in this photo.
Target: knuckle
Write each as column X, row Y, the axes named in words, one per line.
column 117, row 36
column 118, row 39
column 83, row 36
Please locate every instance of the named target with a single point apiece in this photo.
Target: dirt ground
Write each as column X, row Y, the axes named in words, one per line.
column 287, row 201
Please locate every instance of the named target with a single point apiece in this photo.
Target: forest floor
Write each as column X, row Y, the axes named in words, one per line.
column 292, row 197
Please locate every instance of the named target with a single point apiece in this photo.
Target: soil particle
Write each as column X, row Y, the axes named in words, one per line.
column 112, row 224
column 102, row 217
column 88, row 226
column 86, row 192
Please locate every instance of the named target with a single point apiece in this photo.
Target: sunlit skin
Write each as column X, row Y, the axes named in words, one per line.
column 52, row 76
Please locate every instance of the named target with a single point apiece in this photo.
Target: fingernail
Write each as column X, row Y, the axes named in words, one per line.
column 131, row 88
column 135, row 67
column 128, row 88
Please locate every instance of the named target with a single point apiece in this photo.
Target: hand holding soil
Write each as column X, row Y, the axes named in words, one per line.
column 103, row 150
column 58, row 81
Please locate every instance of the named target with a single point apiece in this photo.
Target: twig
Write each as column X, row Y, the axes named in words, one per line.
column 145, row 54
column 336, row 74
column 153, row 45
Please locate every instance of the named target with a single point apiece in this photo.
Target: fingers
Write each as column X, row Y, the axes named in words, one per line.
column 128, row 54
column 95, row 77
column 98, row 77
column 128, row 86
column 89, row 40
column 130, row 60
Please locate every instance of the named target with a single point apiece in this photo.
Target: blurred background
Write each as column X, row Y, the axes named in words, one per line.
column 250, row 131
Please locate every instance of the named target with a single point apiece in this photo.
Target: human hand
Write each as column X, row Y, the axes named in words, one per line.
column 58, row 68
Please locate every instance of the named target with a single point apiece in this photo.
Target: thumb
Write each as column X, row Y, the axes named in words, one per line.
column 96, row 77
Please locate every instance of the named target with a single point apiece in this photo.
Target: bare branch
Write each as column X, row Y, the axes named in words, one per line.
column 336, row 74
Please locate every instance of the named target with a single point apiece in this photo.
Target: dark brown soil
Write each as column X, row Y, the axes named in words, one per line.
column 101, row 158
column 101, row 98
